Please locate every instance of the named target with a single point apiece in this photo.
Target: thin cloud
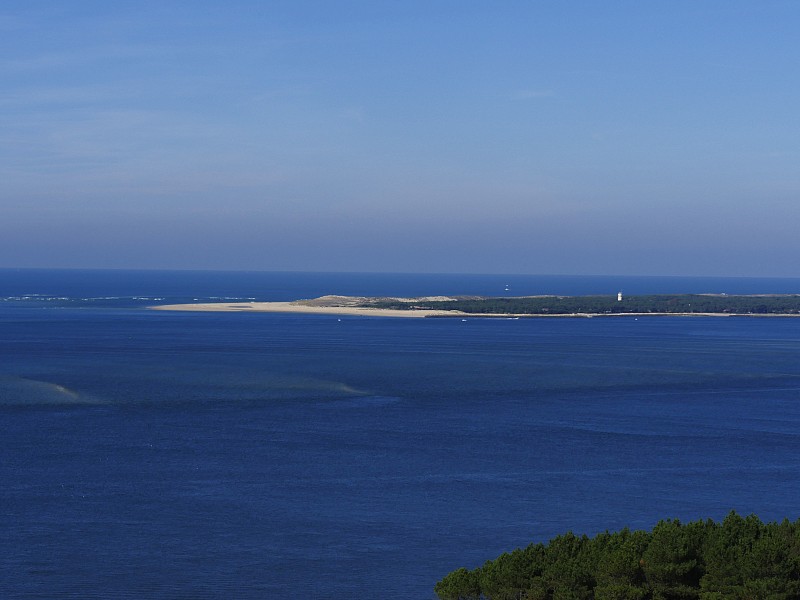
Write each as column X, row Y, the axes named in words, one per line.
column 71, row 95
column 86, row 56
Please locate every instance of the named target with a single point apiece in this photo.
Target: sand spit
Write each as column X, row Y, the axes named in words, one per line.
column 326, row 305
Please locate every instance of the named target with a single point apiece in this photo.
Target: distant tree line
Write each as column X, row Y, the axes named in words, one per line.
column 565, row 305
column 739, row 558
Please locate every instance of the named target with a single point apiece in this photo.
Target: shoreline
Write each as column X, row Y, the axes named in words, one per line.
column 296, row 308
column 350, row 307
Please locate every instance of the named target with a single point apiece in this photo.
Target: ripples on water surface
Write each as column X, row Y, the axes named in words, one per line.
column 169, row 455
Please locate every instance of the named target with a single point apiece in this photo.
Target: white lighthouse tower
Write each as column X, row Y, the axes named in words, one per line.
column 619, row 297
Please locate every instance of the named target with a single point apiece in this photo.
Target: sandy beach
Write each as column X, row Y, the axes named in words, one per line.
column 307, row 307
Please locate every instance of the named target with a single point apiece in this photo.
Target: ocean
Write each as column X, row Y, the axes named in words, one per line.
column 151, row 454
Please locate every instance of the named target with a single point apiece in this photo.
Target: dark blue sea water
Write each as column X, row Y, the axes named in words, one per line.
column 179, row 455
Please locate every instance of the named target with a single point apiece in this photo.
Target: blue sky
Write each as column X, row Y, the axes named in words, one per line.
column 614, row 137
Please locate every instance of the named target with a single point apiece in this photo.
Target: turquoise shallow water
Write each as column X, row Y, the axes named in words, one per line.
column 169, row 455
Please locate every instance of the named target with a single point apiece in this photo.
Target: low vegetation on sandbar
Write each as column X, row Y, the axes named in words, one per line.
column 608, row 305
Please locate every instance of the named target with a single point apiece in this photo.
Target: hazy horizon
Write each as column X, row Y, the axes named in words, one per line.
column 622, row 279
column 570, row 138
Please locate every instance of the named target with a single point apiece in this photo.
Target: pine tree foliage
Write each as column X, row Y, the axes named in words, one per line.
column 740, row 558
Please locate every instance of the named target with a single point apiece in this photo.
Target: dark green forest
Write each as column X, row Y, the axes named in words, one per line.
column 608, row 305
column 739, row 558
